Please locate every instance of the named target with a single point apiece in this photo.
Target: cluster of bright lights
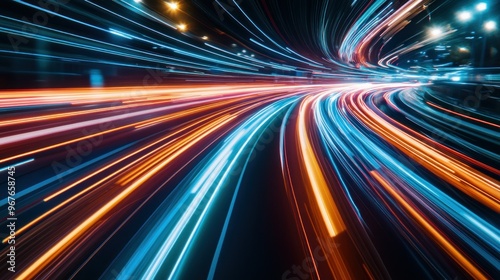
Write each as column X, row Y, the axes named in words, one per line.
column 465, row 16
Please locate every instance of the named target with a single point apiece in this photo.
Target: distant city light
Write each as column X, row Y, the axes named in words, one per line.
column 481, row 6
column 464, row 16
column 173, row 5
column 182, row 27
column 455, row 78
column 436, row 31
column 490, row 25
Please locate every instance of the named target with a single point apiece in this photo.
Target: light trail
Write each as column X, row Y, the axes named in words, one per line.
column 251, row 136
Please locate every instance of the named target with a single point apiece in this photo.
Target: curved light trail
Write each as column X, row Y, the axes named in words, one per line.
column 343, row 148
column 253, row 124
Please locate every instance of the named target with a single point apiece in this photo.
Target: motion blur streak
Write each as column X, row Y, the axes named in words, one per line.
column 346, row 120
column 318, row 183
column 477, row 274
column 319, row 139
column 331, row 136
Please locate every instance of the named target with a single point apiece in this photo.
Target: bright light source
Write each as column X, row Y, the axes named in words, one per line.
column 137, row 1
column 490, row 25
column 204, row 37
column 436, row 31
column 455, row 78
column 462, row 49
column 173, row 5
column 481, row 6
column 182, row 27
column 464, row 16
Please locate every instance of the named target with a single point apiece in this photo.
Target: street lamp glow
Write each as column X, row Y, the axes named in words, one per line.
column 481, row 6
column 465, row 16
column 204, row 38
column 182, row 27
column 490, row 25
column 173, row 6
column 436, row 32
